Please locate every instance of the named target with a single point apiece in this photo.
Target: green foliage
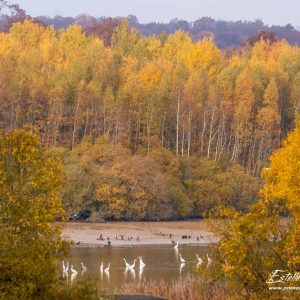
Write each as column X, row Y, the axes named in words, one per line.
column 210, row 187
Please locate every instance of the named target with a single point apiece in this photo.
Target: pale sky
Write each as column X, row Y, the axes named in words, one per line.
column 277, row 12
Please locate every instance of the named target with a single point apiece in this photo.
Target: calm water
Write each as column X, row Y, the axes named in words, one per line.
column 162, row 262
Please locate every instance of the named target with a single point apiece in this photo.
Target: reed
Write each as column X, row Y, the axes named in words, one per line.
column 188, row 288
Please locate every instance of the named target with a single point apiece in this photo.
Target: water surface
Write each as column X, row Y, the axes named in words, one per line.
column 162, row 262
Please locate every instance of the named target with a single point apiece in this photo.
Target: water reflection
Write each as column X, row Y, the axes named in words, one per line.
column 176, row 251
column 141, row 273
column 107, row 274
column 182, row 265
column 132, row 273
column 73, row 276
column 142, row 263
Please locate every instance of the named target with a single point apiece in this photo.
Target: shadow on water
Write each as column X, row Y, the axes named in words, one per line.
column 161, row 263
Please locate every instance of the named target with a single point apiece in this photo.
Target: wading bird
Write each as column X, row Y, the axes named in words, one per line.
column 74, row 272
column 107, row 269
column 208, row 260
column 142, row 264
column 176, row 246
column 128, row 266
column 64, row 267
column 200, row 260
column 84, row 268
column 181, row 259
column 67, row 267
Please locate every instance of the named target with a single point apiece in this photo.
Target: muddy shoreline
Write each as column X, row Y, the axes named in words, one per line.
column 130, row 234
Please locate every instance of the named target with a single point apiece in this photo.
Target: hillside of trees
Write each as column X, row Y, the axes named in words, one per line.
column 149, row 127
column 227, row 34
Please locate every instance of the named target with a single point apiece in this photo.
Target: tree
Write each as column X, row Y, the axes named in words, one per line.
column 188, row 96
column 268, row 119
column 104, row 29
column 29, row 206
column 269, row 36
column 254, row 244
column 244, row 114
column 16, row 14
column 124, row 38
column 282, row 182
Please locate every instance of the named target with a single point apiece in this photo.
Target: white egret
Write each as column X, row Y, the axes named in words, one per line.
column 107, row 269
column 208, row 260
column 200, row 260
column 126, row 263
column 74, row 272
column 84, row 268
column 142, row 264
column 181, row 259
column 67, row 267
column 64, row 267
column 131, row 267
column 176, row 246
column 128, row 266
column 101, row 267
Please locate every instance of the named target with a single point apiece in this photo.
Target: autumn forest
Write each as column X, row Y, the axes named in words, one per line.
column 157, row 127
column 108, row 126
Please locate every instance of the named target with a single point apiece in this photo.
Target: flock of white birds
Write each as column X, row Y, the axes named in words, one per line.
column 129, row 266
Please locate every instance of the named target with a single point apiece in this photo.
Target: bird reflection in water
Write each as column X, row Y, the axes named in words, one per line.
column 73, row 276
column 182, row 265
column 141, row 273
column 106, row 271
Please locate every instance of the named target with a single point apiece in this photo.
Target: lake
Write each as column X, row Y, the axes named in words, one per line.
column 162, row 262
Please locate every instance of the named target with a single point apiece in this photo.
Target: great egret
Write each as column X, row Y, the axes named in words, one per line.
column 84, row 268
column 67, row 267
column 133, row 265
column 128, row 266
column 107, row 269
column 74, row 272
column 142, row 264
column 64, row 267
column 176, row 246
column 200, row 260
column 181, row 259
column 208, row 260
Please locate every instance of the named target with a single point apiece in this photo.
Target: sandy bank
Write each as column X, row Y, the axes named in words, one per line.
column 149, row 233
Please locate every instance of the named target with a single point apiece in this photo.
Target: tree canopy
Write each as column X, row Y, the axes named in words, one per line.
column 256, row 243
column 30, row 181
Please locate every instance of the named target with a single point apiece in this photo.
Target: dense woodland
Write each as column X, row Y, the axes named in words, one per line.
column 149, row 127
